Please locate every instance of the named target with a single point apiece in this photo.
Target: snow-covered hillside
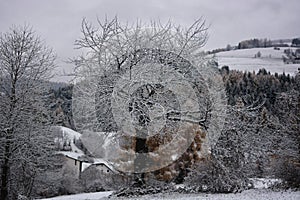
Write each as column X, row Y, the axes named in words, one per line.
column 67, row 136
column 244, row 60
column 71, row 134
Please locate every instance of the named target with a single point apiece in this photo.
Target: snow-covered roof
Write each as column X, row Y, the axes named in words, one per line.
column 85, row 163
column 99, row 161
column 71, row 154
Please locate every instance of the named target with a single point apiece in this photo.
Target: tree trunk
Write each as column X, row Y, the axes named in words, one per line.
column 5, row 172
column 140, row 162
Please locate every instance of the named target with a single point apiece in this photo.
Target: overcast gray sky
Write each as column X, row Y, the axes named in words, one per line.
column 58, row 21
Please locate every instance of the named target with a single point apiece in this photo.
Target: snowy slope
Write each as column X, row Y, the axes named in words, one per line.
column 71, row 134
column 68, row 135
column 244, row 60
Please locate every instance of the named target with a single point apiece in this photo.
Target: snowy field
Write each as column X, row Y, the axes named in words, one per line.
column 244, row 60
column 254, row 194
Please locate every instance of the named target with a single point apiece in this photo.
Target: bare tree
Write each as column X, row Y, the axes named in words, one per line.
column 146, row 82
column 25, row 62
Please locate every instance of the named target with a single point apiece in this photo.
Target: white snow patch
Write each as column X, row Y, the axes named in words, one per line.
column 85, row 165
column 174, row 157
column 83, row 196
column 261, row 183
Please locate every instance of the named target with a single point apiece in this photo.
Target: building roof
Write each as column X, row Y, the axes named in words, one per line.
column 86, row 162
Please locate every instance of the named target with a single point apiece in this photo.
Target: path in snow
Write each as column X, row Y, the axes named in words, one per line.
column 83, row 196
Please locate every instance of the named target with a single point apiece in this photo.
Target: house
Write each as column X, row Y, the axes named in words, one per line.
column 104, row 176
column 78, row 162
column 104, row 166
column 74, row 163
column 95, row 174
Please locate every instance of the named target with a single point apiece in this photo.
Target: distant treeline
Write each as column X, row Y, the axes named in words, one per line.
column 250, row 86
column 259, row 43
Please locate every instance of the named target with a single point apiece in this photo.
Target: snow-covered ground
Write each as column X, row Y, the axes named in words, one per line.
column 83, row 196
column 254, row 194
column 244, row 60
column 246, row 195
column 261, row 191
column 264, row 183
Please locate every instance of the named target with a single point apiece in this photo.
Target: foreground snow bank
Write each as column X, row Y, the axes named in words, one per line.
column 246, row 195
column 256, row 194
column 83, row 196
